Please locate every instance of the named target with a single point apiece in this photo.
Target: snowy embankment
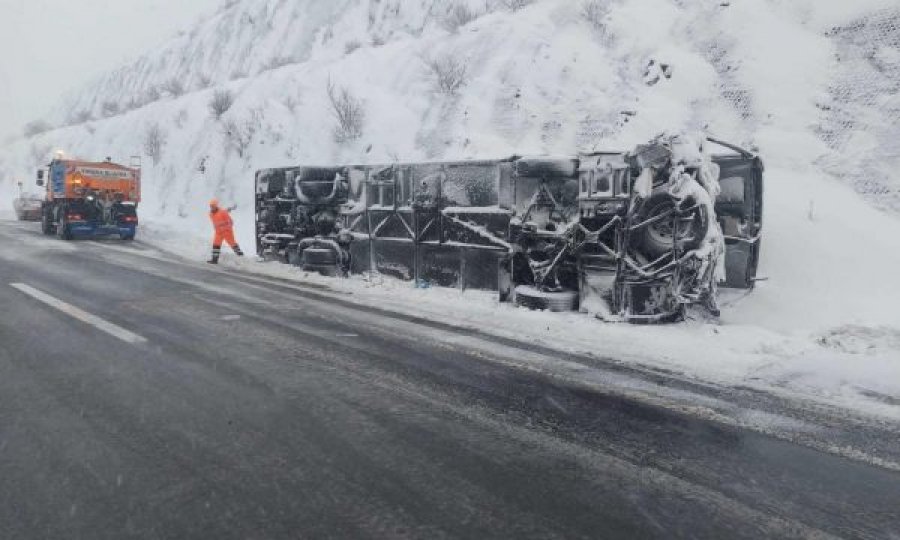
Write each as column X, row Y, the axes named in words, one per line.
column 554, row 77
column 828, row 335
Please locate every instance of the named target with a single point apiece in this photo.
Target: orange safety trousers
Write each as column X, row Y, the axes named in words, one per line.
column 224, row 235
column 224, row 227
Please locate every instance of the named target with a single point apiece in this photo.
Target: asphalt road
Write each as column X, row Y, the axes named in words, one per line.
column 145, row 398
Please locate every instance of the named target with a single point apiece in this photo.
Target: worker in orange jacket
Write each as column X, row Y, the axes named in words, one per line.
column 224, row 231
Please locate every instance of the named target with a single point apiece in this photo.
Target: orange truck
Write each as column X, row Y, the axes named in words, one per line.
column 89, row 199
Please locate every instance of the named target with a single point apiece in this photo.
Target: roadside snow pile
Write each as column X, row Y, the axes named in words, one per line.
column 855, row 339
column 435, row 79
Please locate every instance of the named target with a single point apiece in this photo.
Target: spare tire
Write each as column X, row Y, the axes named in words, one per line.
column 657, row 239
column 63, row 232
column 318, row 256
column 533, row 298
column 319, row 260
column 47, row 226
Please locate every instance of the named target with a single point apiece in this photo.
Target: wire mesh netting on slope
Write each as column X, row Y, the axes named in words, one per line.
column 859, row 107
column 861, row 118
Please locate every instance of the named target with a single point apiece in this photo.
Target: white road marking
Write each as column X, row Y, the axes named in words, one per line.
column 81, row 315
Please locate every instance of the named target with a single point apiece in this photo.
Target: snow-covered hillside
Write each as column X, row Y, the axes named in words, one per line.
column 811, row 84
column 555, row 75
column 806, row 82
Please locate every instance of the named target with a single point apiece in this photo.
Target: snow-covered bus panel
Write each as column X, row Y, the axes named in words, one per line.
column 269, row 182
column 607, row 180
column 605, row 231
column 739, row 210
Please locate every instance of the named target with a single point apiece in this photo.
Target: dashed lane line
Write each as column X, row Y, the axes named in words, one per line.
column 81, row 315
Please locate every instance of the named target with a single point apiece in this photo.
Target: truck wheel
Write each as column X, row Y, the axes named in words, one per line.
column 318, row 256
column 63, row 232
column 47, row 226
column 535, row 299
column 320, row 260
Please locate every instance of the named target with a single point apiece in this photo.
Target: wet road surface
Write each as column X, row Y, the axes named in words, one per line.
column 141, row 398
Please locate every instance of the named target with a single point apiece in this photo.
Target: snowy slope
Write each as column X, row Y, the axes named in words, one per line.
column 804, row 82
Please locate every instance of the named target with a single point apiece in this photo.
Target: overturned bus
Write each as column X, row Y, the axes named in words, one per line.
column 637, row 236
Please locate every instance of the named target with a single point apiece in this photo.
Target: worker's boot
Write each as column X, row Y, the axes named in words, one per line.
column 237, row 251
column 215, row 256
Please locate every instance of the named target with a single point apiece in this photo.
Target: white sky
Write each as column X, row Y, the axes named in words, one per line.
column 48, row 47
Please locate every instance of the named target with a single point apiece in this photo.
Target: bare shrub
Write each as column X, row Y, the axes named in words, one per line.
column 151, row 95
column 173, row 87
column 351, row 46
column 80, row 117
column 515, row 5
column 235, row 139
column 109, row 108
column 254, row 120
column 239, row 135
column 348, row 111
column 595, row 12
column 228, row 4
column 221, row 101
column 154, row 142
column 277, row 62
column 328, row 34
column 205, row 81
column 36, row 127
column 133, row 103
column 460, row 14
column 450, row 73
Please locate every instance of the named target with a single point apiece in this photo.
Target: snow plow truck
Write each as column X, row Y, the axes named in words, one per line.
column 89, row 199
column 637, row 236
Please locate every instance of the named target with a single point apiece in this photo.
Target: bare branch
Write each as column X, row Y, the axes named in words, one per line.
column 348, row 111
column 450, row 73
column 221, row 101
